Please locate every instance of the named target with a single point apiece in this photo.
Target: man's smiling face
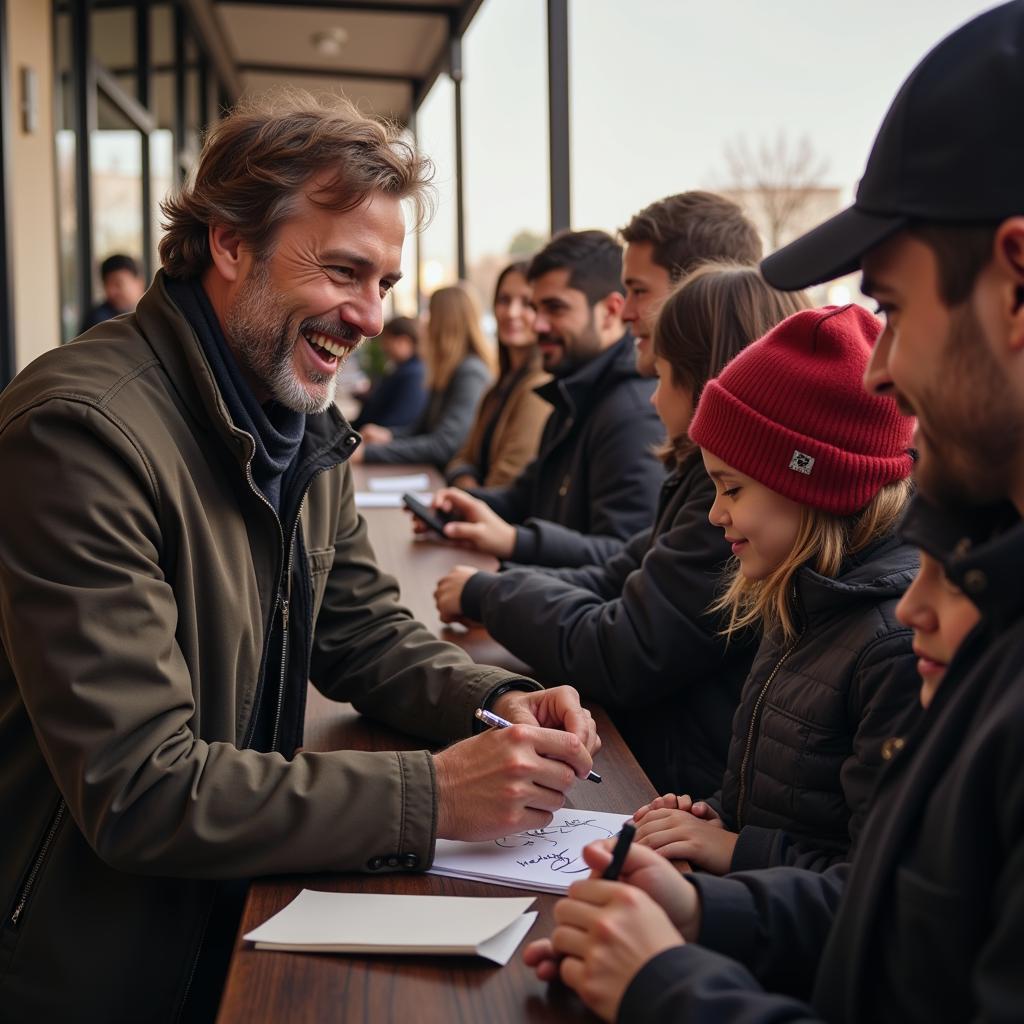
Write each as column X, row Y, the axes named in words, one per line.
column 298, row 313
column 943, row 366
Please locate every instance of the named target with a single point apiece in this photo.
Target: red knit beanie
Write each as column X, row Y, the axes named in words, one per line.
column 791, row 411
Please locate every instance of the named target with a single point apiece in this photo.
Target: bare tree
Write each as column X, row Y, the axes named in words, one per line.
column 778, row 178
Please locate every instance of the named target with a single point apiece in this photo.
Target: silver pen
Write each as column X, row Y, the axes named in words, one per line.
column 493, row 721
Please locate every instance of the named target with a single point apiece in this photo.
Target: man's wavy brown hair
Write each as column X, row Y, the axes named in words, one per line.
column 258, row 161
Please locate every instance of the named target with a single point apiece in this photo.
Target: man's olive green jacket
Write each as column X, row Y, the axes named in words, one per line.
column 139, row 573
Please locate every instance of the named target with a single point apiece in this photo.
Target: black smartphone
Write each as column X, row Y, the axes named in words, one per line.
column 433, row 517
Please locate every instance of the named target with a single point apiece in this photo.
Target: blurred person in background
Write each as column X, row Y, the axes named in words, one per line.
column 122, row 288
column 664, row 242
column 459, row 363
column 399, row 398
column 506, row 432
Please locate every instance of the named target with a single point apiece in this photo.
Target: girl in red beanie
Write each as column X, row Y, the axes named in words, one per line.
column 811, row 476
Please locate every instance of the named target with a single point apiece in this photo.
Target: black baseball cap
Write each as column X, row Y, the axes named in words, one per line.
column 950, row 150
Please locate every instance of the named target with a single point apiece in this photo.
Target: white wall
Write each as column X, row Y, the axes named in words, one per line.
column 32, row 187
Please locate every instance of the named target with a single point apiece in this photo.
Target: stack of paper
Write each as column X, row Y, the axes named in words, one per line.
column 354, row 922
column 387, row 491
column 548, row 859
column 387, row 499
column 398, row 484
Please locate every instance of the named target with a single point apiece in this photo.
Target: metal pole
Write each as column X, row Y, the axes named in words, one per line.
column 84, row 92
column 455, row 72
column 558, row 114
column 179, row 92
column 145, row 78
column 7, row 341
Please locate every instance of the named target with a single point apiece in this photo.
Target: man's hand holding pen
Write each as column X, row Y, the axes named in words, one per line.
column 556, row 708
column 509, row 779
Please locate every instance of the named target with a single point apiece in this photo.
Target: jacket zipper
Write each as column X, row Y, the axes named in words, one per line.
column 283, row 582
column 283, row 604
column 284, row 601
column 280, row 533
column 745, row 763
column 26, row 889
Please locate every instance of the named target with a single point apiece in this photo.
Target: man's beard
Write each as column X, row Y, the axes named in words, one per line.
column 972, row 436
column 263, row 341
column 577, row 350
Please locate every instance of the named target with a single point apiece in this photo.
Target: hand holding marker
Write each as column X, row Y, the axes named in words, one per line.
column 611, row 873
column 493, row 721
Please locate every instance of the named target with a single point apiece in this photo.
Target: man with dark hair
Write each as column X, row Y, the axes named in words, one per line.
column 122, row 288
column 668, row 239
column 399, row 398
column 927, row 923
column 185, row 555
column 595, row 479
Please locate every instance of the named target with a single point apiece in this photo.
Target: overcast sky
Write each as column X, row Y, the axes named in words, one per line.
column 658, row 88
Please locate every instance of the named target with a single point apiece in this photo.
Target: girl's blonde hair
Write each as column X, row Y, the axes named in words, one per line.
column 823, row 542
column 453, row 332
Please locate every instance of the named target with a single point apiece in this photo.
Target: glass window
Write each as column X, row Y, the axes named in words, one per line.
column 115, row 154
column 161, row 179
column 435, row 129
column 505, row 137
column 403, row 300
column 65, row 142
column 193, row 118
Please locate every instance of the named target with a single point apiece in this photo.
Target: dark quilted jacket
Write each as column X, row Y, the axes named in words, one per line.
column 807, row 745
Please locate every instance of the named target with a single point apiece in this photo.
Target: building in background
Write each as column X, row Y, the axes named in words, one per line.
column 103, row 105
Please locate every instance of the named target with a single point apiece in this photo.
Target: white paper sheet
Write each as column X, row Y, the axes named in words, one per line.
column 399, row 484
column 547, row 859
column 387, row 499
column 350, row 922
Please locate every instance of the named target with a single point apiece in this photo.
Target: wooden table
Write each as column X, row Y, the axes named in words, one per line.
column 273, row 986
column 419, row 562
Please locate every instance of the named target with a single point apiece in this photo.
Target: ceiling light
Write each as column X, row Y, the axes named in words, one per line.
column 329, row 41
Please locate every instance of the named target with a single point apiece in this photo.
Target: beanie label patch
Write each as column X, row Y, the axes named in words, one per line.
column 801, row 463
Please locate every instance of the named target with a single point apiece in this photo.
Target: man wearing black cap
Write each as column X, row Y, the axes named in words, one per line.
column 927, row 923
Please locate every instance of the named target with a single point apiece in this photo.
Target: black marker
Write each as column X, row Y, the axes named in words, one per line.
column 611, row 873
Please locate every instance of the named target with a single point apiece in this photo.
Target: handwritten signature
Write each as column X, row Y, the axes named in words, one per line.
column 543, row 835
column 556, row 861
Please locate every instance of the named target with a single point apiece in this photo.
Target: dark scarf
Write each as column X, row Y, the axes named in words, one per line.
column 276, row 430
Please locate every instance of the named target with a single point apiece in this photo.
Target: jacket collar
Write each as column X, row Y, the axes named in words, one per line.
column 882, row 570
column 584, row 385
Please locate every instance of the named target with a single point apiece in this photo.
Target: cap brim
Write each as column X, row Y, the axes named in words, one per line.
column 830, row 250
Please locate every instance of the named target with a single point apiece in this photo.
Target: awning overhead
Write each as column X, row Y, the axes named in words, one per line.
column 383, row 54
